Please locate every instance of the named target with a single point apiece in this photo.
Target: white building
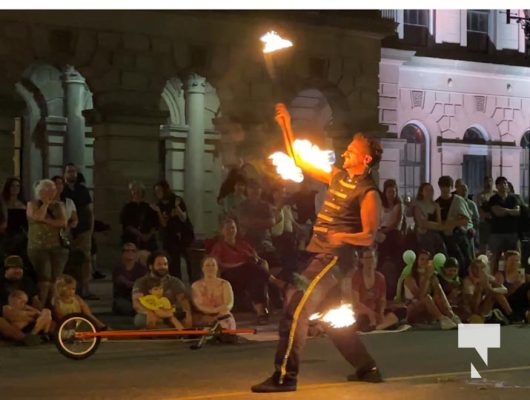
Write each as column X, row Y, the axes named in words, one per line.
column 449, row 115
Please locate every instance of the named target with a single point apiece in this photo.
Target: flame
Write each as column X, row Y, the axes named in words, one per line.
column 340, row 317
column 308, row 153
column 274, row 42
column 286, row 168
column 311, row 154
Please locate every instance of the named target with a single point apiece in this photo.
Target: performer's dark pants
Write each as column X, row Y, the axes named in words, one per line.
column 293, row 326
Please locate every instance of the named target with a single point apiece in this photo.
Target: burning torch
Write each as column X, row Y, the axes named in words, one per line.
column 299, row 152
column 340, row 317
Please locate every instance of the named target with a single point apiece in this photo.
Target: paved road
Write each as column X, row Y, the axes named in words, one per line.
column 416, row 364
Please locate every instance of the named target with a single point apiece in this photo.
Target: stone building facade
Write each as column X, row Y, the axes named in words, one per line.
column 132, row 95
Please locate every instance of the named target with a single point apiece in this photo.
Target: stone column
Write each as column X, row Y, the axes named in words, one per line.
column 193, row 163
column 174, row 147
column 75, row 88
column 56, row 128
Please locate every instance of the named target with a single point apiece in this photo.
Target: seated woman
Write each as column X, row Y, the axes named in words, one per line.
column 213, row 296
column 369, row 296
column 481, row 292
column 518, row 291
column 241, row 266
column 425, row 298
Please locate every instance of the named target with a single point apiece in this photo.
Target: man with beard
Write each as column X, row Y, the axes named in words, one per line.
column 349, row 216
column 173, row 289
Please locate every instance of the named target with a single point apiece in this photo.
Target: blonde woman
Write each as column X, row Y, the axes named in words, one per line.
column 46, row 219
column 213, row 296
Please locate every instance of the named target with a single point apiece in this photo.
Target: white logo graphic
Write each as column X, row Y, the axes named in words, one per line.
column 480, row 337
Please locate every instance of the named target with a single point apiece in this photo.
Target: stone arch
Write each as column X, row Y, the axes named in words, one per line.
column 173, row 101
column 193, row 107
column 415, row 162
column 32, row 135
column 475, row 134
column 311, row 113
column 54, row 123
column 320, row 111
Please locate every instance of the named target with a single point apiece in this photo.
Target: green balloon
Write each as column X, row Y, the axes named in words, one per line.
column 438, row 261
column 409, row 257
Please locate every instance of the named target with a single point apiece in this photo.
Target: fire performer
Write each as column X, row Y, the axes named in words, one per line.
column 349, row 216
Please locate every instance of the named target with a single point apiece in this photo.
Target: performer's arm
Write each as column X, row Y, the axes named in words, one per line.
column 370, row 215
column 284, row 121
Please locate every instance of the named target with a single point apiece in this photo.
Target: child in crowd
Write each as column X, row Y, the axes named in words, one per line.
column 66, row 302
column 155, row 301
column 26, row 318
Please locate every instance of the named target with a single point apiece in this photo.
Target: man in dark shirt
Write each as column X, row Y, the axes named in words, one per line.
column 123, row 279
column 504, row 209
column 138, row 219
column 349, row 216
column 82, row 233
column 15, row 279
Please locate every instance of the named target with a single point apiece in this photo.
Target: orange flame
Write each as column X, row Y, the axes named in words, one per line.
column 286, row 168
column 340, row 317
column 274, row 42
column 310, row 153
column 307, row 153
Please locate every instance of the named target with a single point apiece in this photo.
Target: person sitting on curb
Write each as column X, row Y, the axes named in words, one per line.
column 26, row 318
column 123, row 278
column 173, row 289
column 66, row 301
column 12, row 279
column 213, row 296
column 369, row 296
column 424, row 296
column 160, row 305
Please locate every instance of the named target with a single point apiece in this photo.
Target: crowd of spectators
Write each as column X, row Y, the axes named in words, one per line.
column 263, row 225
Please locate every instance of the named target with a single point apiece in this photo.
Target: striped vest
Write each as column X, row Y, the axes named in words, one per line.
column 341, row 210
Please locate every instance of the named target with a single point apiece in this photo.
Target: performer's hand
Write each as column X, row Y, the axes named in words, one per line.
column 282, row 114
column 335, row 238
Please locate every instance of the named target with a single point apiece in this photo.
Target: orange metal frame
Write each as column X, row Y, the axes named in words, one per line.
column 158, row 333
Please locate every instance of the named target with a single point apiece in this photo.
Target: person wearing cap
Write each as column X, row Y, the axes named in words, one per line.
column 14, row 278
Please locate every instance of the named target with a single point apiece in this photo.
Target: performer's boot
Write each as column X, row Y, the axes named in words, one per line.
column 372, row 375
column 272, row 384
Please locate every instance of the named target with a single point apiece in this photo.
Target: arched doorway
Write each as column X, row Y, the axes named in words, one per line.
column 53, row 129
column 414, row 165
column 475, row 167
column 191, row 115
column 525, row 166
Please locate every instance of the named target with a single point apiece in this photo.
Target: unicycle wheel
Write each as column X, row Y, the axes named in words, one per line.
column 75, row 338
